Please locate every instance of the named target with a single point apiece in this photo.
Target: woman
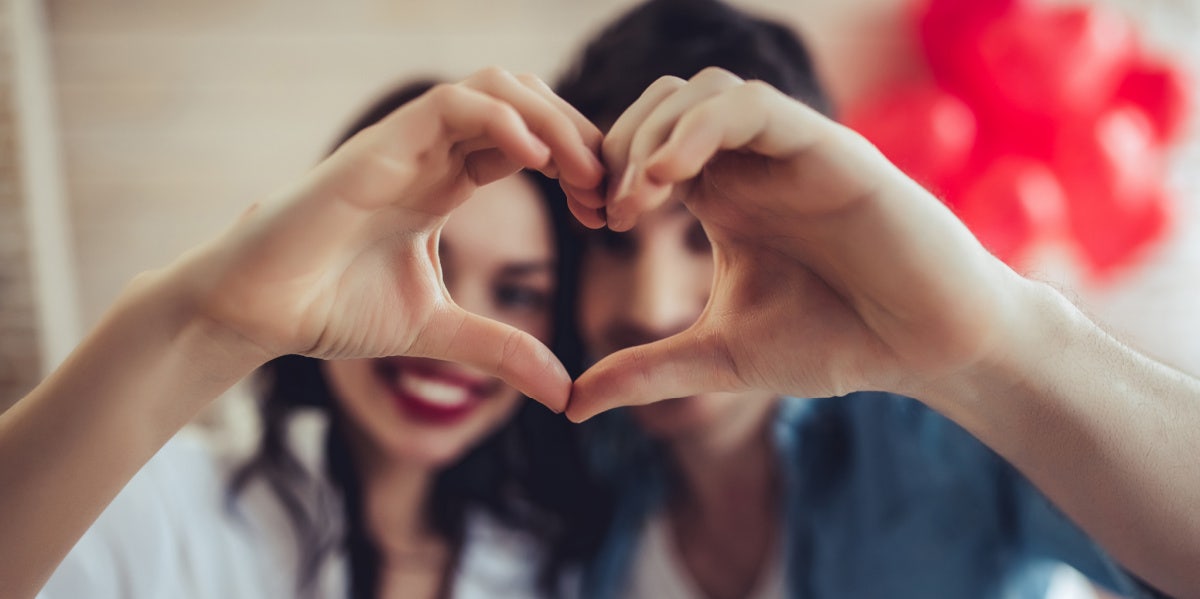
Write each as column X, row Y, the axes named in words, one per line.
column 461, row 452
column 422, row 485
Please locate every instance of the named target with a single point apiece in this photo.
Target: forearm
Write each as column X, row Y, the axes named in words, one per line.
column 70, row 446
column 1112, row 437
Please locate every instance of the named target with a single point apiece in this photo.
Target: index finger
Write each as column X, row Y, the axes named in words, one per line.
column 574, row 160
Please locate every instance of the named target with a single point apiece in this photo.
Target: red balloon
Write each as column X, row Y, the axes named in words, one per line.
column 1070, row 122
column 1111, row 234
column 1016, row 203
column 1115, row 156
column 947, row 27
column 925, row 131
column 1162, row 91
column 1113, row 171
column 1062, row 63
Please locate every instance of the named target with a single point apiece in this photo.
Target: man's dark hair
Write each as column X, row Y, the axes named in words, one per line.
column 681, row 38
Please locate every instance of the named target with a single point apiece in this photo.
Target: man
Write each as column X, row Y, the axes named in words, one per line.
column 830, row 272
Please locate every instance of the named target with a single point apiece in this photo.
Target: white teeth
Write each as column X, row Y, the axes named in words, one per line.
column 432, row 391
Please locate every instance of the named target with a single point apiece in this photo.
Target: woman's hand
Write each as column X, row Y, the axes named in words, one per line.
column 834, row 272
column 345, row 263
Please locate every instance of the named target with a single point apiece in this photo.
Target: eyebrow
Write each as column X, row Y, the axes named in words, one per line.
column 516, row 269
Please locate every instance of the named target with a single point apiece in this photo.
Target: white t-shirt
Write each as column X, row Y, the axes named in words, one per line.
column 170, row 533
column 659, row 572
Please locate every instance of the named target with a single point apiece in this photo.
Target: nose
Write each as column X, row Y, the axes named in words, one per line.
column 667, row 291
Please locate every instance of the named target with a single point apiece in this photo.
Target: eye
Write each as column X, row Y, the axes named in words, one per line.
column 612, row 243
column 518, row 296
column 697, row 239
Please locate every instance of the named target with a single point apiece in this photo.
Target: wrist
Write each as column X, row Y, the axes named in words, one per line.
column 168, row 304
column 1038, row 329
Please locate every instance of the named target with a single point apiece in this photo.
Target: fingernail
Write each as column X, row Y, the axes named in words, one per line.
column 626, row 183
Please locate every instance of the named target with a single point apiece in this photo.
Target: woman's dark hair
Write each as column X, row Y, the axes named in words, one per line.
column 528, row 474
column 681, row 38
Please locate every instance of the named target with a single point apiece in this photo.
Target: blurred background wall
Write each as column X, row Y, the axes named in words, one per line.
column 169, row 117
column 19, row 344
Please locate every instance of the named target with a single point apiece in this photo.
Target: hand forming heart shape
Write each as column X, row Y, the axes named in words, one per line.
column 834, row 272
column 301, row 273
column 831, row 266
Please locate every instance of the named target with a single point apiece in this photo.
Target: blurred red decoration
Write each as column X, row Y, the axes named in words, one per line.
column 1161, row 91
column 1060, row 64
column 1042, row 123
column 1014, row 202
column 924, row 130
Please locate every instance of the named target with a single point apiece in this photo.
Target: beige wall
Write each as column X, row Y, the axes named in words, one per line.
column 177, row 114
column 174, row 115
column 18, row 334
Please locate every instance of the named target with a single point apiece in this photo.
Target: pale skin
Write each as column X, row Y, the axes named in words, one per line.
column 344, row 264
column 816, row 236
column 497, row 257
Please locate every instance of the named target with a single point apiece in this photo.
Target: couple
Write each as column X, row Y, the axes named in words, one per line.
column 761, row 250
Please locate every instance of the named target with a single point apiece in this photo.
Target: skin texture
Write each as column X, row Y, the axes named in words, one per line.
column 298, row 273
column 498, row 258
column 816, row 237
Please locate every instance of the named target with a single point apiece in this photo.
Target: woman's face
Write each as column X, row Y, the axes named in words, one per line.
column 498, row 261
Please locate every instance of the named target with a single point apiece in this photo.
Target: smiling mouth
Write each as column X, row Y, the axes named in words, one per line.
column 430, row 395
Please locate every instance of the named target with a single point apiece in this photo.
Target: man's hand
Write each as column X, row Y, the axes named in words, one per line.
column 834, row 271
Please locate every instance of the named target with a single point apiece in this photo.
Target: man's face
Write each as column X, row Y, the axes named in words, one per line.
column 648, row 284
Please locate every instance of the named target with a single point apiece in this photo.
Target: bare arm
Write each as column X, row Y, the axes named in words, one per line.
column 343, row 264
column 1112, row 437
column 836, row 273
column 68, row 448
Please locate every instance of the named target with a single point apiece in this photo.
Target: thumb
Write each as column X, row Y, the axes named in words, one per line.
column 498, row 349
column 686, row 364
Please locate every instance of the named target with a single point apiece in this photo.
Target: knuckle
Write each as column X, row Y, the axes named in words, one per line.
column 759, row 90
column 716, row 76
column 443, row 92
column 489, row 76
column 666, row 83
column 509, row 351
column 530, row 79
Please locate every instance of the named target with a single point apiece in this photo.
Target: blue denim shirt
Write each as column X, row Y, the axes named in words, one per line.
column 884, row 498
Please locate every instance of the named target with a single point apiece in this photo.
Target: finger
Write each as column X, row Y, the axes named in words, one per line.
column 329, row 208
column 498, row 349
column 590, row 197
column 576, row 162
column 753, row 116
column 615, row 149
column 588, row 131
column 684, row 365
column 658, row 124
column 625, row 206
column 486, row 166
column 592, row 218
